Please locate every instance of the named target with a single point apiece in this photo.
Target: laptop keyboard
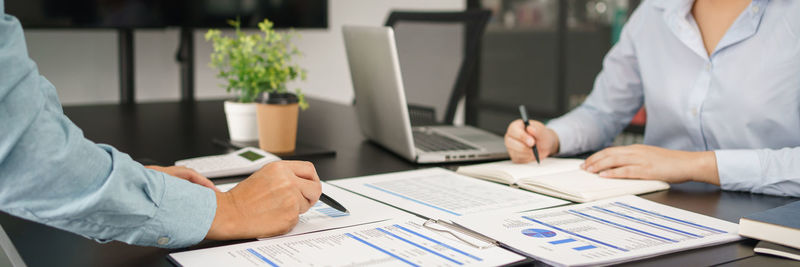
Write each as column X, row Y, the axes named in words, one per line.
column 430, row 142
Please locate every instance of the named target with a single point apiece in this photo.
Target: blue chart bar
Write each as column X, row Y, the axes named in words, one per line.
column 420, row 246
column 437, row 242
column 331, row 212
column 584, row 248
column 647, row 222
column 568, row 240
column 380, row 249
column 668, row 217
column 408, row 198
column 657, row 237
column 261, row 257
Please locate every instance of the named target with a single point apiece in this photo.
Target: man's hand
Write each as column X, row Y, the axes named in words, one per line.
column 519, row 140
column 267, row 203
column 186, row 174
column 654, row 163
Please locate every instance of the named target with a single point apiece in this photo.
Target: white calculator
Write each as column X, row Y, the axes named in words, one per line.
column 243, row 161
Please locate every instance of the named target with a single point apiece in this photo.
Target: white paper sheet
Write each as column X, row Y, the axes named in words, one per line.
column 321, row 216
column 603, row 232
column 441, row 194
column 389, row 243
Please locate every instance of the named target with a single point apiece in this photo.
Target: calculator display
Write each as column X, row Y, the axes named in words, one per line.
column 250, row 155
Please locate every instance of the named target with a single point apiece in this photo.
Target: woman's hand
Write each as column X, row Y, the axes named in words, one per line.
column 520, row 139
column 654, row 163
column 186, row 174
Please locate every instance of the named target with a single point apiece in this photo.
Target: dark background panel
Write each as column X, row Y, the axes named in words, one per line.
column 155, row 13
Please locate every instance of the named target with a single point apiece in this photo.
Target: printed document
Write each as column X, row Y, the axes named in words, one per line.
column 388, row 243
column 322, row 217
column 603, row 232
column 442, row 194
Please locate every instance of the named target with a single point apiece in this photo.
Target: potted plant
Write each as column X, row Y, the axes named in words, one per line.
column 258, row 66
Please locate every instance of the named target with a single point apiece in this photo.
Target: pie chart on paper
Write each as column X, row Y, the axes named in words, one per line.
column 538, row 233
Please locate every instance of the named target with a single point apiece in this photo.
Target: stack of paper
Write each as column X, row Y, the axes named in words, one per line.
column 479, row 217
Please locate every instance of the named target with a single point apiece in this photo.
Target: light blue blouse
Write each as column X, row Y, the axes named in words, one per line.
column 742, row 101
column 50, row 173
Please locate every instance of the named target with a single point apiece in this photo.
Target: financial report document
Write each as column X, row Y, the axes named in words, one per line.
column 388, row 243
column 603, row 232
column 442, row 194
column 321, row 216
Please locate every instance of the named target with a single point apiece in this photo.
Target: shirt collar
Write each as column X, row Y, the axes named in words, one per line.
column 676, row 14
column 674, row 5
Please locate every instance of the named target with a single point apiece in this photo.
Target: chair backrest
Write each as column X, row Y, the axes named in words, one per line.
column 8, row 254
column 438, row 53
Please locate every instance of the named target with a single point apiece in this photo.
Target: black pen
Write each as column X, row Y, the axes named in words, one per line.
column 524, row 114
column 328, row 200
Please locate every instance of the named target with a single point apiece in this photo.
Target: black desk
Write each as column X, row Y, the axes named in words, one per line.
column 165, row 132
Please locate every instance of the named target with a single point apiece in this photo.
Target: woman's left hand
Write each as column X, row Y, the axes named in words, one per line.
column 186, row 174
column 654, row 163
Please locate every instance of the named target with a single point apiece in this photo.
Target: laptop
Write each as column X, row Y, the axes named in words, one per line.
column 8, row 254
column 383, row 112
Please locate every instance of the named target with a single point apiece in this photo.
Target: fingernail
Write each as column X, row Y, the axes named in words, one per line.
column 603, row 174
column 590, row 169
column 529, row 142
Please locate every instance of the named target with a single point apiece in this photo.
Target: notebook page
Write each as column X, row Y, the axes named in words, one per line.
column 519, row 171
column 587, row 185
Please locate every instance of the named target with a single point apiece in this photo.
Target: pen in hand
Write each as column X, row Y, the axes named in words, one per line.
column 332, row 203
column 524, row 114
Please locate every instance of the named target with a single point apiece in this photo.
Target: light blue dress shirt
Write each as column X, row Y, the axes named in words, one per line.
column 742, row 101
column 50, row 173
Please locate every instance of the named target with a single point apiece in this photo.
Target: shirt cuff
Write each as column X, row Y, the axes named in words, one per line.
column 567, row 143
column 184, row 216
column 739, row 170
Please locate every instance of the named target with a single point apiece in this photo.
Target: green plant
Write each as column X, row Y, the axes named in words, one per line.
column 252, row 64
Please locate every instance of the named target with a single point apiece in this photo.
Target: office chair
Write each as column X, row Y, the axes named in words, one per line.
column 8, row 254
column 438, row 54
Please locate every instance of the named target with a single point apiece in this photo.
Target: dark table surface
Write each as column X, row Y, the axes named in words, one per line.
column 166, row 132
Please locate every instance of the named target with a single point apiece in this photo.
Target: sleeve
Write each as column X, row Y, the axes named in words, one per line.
column 776, row 171
column 616, row 97
column 51, row 174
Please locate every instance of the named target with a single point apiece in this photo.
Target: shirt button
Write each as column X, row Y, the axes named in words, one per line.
column 708, row 66
column 755, row 9
column 694, row 111
column 163, row 240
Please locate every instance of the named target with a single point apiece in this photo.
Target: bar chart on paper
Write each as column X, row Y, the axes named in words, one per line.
column 391, row 243
column 603, row 232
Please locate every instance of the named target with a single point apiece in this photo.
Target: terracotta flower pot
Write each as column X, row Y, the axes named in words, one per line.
column 277, row 124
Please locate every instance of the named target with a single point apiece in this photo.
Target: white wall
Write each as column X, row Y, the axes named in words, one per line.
column 83, row 64
column 157, row 73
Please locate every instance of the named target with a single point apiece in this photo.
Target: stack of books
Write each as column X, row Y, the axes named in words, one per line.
column 778, row 229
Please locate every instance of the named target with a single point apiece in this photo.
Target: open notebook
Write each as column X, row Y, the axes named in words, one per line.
column 561, row 178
